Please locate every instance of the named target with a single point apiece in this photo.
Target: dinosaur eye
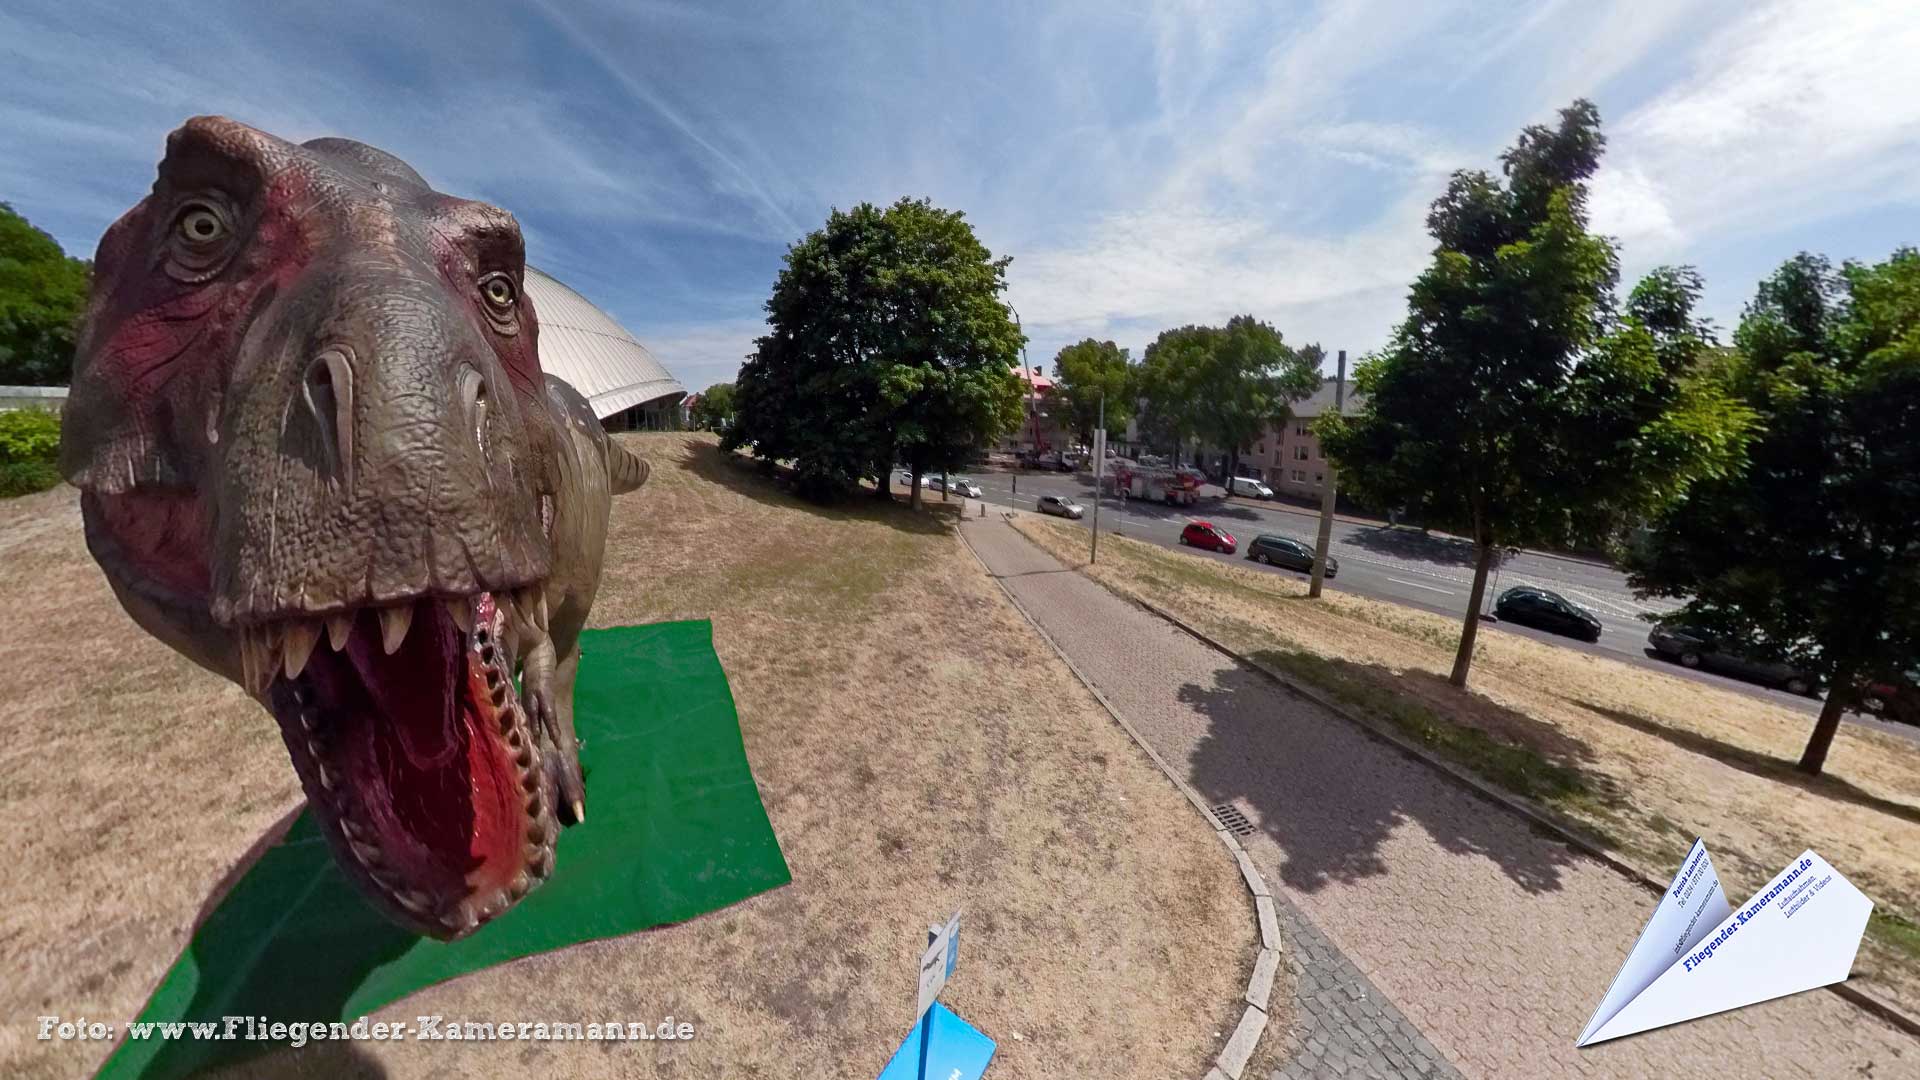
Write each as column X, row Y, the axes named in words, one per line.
column 498, row 290
column 201, row 225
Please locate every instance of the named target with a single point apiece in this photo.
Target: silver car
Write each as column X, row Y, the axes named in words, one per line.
column 1060, row 505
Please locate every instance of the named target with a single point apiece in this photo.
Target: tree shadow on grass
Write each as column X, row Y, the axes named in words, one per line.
column 772, row 485
column 1329, row 794
column 1758, row 764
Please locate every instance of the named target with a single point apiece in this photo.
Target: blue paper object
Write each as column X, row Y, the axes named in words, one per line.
column 956, row 1052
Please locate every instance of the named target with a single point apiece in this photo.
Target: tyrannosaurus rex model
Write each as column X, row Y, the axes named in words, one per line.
column 318, row 456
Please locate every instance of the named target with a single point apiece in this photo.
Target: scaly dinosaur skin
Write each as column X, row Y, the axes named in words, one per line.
column 318, row 456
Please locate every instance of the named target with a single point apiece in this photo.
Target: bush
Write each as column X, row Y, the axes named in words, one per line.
column 29, row 435
column 29, row 445
column 26, row 477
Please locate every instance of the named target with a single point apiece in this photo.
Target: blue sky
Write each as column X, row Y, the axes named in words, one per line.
column 1146, row 165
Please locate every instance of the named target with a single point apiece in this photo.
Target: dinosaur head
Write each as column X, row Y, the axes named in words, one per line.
column 309, row 426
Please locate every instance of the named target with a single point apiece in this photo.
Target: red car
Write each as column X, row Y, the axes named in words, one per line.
column 1896, row 698
column 1205, row 534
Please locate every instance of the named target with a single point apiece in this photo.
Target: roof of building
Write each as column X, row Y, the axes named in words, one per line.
column 1321, row 400
column 1041, row 383
column 585, row 346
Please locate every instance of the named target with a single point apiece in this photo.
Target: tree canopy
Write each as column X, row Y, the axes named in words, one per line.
column 42, row 295
column 1225, row 384
column 714, row 411
column 1811, row 555
column 1084, row 374
column 887, row 342
column 1515, row 404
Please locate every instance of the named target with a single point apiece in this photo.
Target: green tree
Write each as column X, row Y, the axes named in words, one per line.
column 42, row 294
column 887, row 341
column 714, row 411
column 1512, row 404
column 1089, row 372
column 1811, row 554
column 1168, row 384
column 1225, row 384
column 1249, row 382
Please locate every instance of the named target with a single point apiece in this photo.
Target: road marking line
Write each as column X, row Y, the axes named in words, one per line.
column 1417, row 585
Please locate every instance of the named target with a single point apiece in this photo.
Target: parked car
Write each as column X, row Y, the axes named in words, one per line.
column 1249, row 487
column 1205, row 534
column 1694, row 647
column 1894, row 698
column 1061, row 505
column 1288, row 552
column 1545, row 610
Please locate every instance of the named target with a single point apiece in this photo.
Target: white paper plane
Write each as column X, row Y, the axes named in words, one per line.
column 1698, row 956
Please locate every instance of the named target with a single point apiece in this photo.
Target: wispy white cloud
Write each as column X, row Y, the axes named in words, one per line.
column 1146, row 165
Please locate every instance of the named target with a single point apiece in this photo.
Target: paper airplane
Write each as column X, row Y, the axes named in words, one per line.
column 1698, row 956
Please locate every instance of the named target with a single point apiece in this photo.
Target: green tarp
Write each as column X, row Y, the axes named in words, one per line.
column 674, row 829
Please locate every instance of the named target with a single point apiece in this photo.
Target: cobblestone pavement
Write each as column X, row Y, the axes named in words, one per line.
column 1494, row 941
column 1343, row 1025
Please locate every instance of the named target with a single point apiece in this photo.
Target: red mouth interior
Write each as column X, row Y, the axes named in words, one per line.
column 413, row 740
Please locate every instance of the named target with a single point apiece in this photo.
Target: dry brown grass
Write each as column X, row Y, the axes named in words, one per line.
column 918, row 748
column 1650, row 760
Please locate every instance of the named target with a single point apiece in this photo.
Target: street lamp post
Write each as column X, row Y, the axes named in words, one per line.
column 1033, row 405
column 1099, row 474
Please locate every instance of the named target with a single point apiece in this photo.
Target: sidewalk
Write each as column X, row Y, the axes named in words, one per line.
column 1490, row 941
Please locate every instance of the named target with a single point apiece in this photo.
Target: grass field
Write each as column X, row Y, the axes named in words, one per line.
column 1642, row 760
column 919, row 749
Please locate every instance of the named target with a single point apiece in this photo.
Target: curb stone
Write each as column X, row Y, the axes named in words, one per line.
column 1563, row 831
column 1233, row 1058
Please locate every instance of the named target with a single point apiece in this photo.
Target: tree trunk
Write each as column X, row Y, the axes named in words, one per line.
column 1233, row 467
column 1839, row 697
column 1483, row 551
column 915, row 500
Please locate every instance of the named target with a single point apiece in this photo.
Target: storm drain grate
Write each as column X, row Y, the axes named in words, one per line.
column 1232, row 820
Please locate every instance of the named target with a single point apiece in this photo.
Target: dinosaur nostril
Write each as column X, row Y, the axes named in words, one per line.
column 329, row 393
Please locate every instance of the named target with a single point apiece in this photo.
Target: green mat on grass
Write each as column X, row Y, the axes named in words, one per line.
column 674, row 829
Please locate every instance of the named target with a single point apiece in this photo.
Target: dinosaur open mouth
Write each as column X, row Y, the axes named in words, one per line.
column 417, row 757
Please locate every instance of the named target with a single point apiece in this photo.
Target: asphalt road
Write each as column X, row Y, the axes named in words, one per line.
column 1403, row 566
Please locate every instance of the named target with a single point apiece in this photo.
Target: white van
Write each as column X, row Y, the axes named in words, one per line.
column 1248, row 486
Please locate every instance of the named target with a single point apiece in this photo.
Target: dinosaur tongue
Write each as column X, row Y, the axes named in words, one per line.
column 425, row 781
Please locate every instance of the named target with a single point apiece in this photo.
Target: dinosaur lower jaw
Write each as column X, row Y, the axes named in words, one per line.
column 419, row 761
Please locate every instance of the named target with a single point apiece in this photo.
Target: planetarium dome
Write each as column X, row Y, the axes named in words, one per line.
column 626, row 386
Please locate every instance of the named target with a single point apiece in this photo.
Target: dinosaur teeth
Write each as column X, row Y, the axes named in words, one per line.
column 257, row 659
column 460, row 609
column 395, row 619
column 521, row 883
column 366, row 853
column 297, row 644
column 339, row 629
column 413, row 901
column 579, row 812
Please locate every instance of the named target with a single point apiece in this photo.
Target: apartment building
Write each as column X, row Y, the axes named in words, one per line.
column 1288, row 457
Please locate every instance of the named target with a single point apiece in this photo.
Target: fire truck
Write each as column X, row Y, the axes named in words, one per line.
column 1174, row 487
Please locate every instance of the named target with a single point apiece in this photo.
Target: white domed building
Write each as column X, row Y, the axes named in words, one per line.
column 628, row 389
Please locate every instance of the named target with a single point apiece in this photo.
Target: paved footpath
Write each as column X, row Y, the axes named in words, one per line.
column 1492, row 942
